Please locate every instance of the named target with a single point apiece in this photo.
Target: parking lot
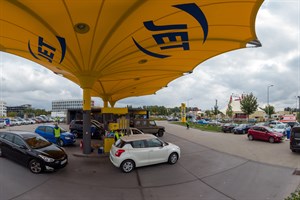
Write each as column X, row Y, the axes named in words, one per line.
column 212, row 166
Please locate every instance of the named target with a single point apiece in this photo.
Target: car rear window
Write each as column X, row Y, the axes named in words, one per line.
column 120, row 143
column 297, row 135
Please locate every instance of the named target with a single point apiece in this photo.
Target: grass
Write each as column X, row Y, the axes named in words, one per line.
column 202, row 127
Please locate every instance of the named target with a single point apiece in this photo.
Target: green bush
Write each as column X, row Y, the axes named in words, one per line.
column 294, row 196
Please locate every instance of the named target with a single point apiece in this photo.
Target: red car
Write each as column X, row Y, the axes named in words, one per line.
column 264, row 133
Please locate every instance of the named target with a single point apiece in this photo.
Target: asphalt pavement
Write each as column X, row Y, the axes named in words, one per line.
column 212, row 166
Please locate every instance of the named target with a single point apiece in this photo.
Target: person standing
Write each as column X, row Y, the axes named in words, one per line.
column 187, row 125
column 57, row 134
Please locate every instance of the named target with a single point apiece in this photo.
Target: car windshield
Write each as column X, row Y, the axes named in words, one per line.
column 37, row 142
column 279, row 126
column 269, row 129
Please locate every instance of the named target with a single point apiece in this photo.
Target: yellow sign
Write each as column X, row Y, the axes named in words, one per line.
column 119, row 111
column 183, row 112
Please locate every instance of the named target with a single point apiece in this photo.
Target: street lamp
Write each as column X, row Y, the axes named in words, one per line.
column 268, row 99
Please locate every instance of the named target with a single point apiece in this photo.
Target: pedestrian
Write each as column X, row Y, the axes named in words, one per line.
column 57, row 134
column 187, row 125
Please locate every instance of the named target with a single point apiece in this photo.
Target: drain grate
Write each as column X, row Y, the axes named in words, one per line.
column 296, row 172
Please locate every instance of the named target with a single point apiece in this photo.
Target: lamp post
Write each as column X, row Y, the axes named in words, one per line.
column 268, row 90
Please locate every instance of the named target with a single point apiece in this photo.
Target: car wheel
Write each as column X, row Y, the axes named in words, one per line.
column 160, row 133
column 61, row 142
column 271, row 140
column 244, row 132
column 75, row 133
column 0, row 152
column 35, row 166
column 173, row 158
column 250, row 137
column 127, row 166
column 293, row 150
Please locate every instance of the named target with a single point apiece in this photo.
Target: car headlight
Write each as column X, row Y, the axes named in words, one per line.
column 46, row 159
column 67, row 138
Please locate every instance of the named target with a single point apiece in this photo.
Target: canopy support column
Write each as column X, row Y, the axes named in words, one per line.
column 86, row 121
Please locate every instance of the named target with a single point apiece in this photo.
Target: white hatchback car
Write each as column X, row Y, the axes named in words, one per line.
column 140, row 150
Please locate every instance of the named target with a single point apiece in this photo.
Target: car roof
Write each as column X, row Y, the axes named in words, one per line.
column 23, row 134
column 129, row 138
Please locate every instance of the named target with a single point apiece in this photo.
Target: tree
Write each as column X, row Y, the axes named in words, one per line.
column 269, row 110
column 249, row 104
column 229, row 111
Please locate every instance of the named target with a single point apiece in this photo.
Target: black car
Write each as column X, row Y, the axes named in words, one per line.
column 295, row 139
column 97, row 130
column 228, row 127
column 32, row 150
column 241, row 129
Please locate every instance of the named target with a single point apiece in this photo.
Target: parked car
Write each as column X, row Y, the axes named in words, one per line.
column 76, row 127
column 47, row 131
column 295, row 139
column 228, row 127
column 241, row 129
column 292, row 124
column 140, row 150
column 281, row 128
column 2, row 123
column 32, row 150
column 202, row 121
column 264, row 133
column 130, row 131
column 148, row 126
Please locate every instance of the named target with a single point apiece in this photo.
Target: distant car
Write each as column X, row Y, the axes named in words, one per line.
column 292, row 124
column 47, row 131
column 264, row 133
column 2, row 123
column 281, row 128
column 228, row 127
column 76, row 127
column 140, row 150
column 130, row 131
column 241, row 129
column 32, row 150
column 295, row 139
column 202, row 121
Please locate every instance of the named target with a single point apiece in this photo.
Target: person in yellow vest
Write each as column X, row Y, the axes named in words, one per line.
column 57, row 133
column 118, row 135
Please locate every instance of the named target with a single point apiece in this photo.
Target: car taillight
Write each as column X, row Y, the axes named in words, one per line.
column 119, row 152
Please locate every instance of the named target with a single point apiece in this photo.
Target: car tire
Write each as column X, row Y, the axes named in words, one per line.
column 127, row 166
column 244, row 132
column 61, row 143
column 35, row 166
column 160, row 133
column 173, row 158
column 293, row 150
column 250, row 137
column 271, row 140
column 1, row 152
column 75, row 133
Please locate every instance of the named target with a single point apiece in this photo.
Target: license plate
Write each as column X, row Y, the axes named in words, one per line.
column 63, row 162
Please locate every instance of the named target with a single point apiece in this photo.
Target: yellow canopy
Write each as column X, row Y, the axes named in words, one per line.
column 124, row 48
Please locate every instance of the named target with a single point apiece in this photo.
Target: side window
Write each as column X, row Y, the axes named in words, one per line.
column 49, row 130
column 41, row 128
column 9, row 137
column 152, row 123
column 137, row 123
column 18, row 141
column 154, row 143
column 136, row 132
column 138, row 144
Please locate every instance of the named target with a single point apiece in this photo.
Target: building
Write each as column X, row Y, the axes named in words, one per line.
column 18, row 109
column 3, row 110
column 60, row 108
column 63, row 105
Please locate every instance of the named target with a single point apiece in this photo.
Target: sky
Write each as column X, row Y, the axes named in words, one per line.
column 244, row 71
